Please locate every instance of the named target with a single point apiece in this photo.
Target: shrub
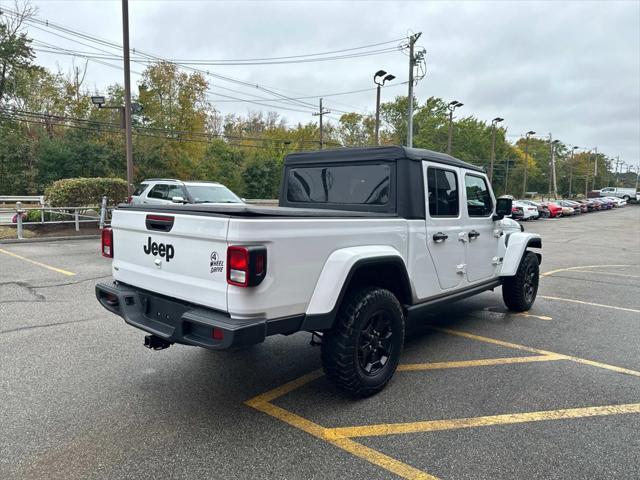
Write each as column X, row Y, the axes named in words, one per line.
column 80, row 192
column 36, row 216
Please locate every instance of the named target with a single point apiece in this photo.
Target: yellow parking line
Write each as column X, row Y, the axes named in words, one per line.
column 370, row 455
column 286, row 388
column 546, row 274
column 43, row 265
column 571, row 300
column 412, row 367
column 491, row 420
column 516, row 346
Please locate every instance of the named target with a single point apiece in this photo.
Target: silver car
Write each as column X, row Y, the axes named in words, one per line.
column 164, row 191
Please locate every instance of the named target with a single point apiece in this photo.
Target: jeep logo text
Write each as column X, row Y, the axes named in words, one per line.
column 167, row 251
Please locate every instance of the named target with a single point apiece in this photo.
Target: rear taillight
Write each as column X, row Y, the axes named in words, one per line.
column 107, row 243
column 246, row 266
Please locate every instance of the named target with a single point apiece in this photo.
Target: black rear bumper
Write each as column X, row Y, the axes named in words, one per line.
column 181, row 322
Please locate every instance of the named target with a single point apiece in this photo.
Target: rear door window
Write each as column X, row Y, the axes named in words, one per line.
column 479, row 202
column 442, row 190
column 140, row 189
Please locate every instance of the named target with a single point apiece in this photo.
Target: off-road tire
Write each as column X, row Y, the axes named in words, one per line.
column 342, row 347
column 519, row 292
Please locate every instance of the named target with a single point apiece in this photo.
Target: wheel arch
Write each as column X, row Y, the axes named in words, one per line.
column 518, row 244
column 385, row 269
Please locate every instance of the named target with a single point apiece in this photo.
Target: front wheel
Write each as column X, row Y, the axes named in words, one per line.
column 519, row 292
column 361, row 353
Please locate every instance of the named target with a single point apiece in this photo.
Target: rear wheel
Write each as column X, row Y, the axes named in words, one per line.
column 361, row 353
column 519, row 292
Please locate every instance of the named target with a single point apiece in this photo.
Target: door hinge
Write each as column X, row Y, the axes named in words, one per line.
column 461, row 269
column 496, row 260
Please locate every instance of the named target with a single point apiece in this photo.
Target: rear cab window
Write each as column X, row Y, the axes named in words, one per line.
column 159, row 191
column 442, row 191
column 479, row 201
column 367, row 186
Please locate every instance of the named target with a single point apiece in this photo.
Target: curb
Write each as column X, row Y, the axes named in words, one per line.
column 48, row 239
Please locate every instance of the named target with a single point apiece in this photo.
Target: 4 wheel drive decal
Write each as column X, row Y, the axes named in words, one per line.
column 215, row 263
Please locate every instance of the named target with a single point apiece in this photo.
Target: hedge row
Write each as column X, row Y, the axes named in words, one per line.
column 81, row 192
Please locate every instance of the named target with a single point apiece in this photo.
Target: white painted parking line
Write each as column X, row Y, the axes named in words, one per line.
column 571, row 300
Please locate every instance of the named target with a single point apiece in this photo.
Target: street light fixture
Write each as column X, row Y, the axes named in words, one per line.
column 494, row 123
column 526, row 162
column 379, row 79
column 452, row 106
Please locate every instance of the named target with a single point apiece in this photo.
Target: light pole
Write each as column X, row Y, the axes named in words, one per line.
column 127, row 95
column 494, row 123
column 575, row 147
column 526, row 162
column 385, row 77
column 452, row 106
column 554, row 144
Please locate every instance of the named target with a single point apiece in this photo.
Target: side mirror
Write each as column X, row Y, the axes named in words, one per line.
column 177, row 200
column 503, row 208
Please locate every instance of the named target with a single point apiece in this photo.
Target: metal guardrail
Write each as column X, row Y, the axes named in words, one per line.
column 22, row 198
column 17, row 216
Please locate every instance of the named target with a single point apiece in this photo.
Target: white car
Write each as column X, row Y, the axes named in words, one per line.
column 619, row 202
column 166, row 191
column 363, row 240
column 530, row 211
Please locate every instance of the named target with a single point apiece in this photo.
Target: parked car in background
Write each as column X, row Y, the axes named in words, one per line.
column 530, row 212
column 543, row 211
column 517, row 213
column 604, row 203
column 554, row 209
column 164, row 191
column 617, row 192
column 568, row 208
column 593, row 205
column 617, row 202
column 582, row 208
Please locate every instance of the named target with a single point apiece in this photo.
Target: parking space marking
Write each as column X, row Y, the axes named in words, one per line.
column 571, row 300
column 611, row 273
column 516, row 346
column 412, row 367
column 514, row 314
column 486, row 421
column 262, row 403
column 341, row 437
column 567, row 269
column 40, row 264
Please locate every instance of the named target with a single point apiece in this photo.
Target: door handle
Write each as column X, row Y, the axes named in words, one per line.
column 440, row 237
column 473, row 234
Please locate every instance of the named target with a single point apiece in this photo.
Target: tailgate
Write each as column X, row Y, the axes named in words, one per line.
column 181, row 256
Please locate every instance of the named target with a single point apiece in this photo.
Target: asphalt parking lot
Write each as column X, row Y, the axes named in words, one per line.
column 481, row 393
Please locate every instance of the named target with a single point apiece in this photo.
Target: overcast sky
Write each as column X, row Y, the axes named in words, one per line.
column 570, row 68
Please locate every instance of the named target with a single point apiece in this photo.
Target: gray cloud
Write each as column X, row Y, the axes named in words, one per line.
column 567, row 67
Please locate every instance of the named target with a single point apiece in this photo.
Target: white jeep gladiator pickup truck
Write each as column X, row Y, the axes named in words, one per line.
column 363, row 239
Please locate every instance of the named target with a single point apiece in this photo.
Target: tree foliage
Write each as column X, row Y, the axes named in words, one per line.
column 50, row 130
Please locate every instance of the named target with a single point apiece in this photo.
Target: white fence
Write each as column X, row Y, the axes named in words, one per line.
column 18, row 216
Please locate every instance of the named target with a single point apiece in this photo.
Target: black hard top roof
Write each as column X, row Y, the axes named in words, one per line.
column 389, row 153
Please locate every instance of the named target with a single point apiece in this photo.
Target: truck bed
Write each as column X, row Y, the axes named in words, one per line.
column 246, row 210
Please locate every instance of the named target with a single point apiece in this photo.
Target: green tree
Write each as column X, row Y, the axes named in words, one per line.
column 16, row 52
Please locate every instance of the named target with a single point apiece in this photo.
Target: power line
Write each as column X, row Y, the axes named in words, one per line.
column 110, row 44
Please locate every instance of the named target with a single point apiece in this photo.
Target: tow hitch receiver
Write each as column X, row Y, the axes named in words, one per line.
column 155, row 343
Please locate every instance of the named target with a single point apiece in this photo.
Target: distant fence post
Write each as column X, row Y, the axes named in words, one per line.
column 103, row 212
column 19, row 219
column 77, row 220
column 42, row 213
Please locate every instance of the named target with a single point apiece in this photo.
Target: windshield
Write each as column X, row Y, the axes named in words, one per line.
column 212, row 194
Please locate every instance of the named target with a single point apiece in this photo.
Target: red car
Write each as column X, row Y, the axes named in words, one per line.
column 555, row 210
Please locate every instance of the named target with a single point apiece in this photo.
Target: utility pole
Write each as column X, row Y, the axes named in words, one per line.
column 573, row 149
column 526, row 162
column 412, row 63
column 595, row 170
column 494, row 124
column 550, row 164
column 506, row 177
column 617, row 173
column 553, row 166
column 320, row 113
column 127, row 95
